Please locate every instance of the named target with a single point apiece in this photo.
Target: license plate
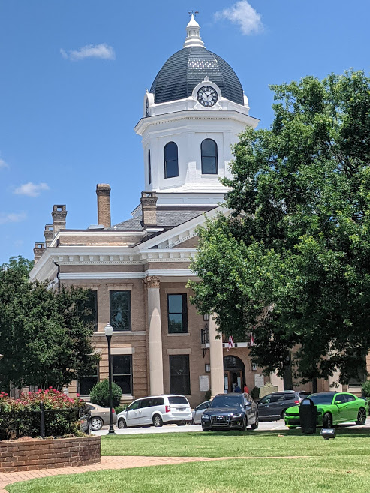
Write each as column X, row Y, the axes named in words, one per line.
column 181, row 409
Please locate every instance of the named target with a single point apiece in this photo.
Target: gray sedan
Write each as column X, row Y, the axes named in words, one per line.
column 99, row 416
column 198, row 411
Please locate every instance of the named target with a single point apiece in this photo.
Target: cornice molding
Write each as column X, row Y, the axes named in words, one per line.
column 150, row 273
column 191, row 115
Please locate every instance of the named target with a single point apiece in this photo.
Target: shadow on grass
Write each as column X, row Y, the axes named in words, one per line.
column 345, row 431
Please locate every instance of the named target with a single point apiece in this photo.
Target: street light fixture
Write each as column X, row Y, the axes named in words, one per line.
column 108, row 329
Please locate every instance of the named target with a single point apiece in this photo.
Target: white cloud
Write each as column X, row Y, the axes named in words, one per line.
column 242, row 13
column 12, row 217
column 90, row 51
column 3, row 164
column 31, row 189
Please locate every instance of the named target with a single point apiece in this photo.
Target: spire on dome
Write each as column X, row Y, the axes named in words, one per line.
column 193, row 38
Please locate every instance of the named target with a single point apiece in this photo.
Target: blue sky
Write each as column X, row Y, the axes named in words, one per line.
column 73, row 75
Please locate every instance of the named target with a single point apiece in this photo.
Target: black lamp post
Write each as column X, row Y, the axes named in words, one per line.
column 108, row 329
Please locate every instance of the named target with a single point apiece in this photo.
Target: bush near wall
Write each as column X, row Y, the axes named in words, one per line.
column 22, row 417
column 100, row 394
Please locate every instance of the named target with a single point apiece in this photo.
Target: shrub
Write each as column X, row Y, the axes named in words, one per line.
column 366, row 388
column 119, row 409
column 208, row 395
column 255, row 393
column 100, row 394
column 22, row 416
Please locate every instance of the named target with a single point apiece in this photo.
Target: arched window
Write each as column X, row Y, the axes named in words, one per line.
column 171, row 160
column 149, row 168
column 209, row 153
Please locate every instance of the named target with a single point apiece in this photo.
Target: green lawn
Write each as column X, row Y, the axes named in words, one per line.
column 342, row 464
column 236, row 444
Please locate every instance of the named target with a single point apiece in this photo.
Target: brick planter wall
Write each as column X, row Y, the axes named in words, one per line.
column 35, row 453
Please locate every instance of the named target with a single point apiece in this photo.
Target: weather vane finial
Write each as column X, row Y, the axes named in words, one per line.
column 193, row 12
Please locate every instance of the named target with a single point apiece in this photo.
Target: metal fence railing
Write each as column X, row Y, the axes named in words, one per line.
column 41, row 422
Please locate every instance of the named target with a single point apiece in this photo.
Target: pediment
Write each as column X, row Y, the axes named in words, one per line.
column 182, row 236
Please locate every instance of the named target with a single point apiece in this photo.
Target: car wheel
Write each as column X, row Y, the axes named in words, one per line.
column 361, row 417
column 122, row 423
column 282, row 414
column 181, row 423
column 244, row 425
column 254, row 426
column 157, row 421
column 96, row 423
column 327, row 420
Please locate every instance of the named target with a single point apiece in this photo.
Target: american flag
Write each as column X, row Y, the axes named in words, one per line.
column 231, row 343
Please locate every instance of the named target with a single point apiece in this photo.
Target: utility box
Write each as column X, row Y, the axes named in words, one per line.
column 308, row 416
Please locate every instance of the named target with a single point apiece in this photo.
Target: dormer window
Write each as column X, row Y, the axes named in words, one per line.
column 209, row 154
column 171, row 160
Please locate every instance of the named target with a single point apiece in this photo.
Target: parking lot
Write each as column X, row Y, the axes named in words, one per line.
column 263, row 426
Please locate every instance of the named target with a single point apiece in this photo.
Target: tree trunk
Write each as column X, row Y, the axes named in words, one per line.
column 288, row 379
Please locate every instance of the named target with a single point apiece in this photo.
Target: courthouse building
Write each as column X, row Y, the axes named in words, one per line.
column 139, row 269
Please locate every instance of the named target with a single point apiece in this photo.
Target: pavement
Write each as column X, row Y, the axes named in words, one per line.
column 263, row 426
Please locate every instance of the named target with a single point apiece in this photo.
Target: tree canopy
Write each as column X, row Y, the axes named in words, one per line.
column 289, row 260
column 45, row 335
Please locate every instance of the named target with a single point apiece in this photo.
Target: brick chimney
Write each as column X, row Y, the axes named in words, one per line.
column 103, row 193
column 48, row 234
column 59, row 218
column 149, row 208
column 38, row 250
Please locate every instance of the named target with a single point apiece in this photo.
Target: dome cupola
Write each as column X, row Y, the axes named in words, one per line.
column 192, row 116
column 188, row 67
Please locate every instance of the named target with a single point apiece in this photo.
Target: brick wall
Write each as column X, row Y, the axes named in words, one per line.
column 22, row 455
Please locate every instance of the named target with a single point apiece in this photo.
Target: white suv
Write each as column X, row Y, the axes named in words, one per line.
column 156, row 410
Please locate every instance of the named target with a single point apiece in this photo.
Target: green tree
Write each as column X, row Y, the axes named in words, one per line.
column 45, row 335
column 290, row 262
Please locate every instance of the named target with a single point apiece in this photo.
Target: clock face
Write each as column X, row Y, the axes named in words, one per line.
column 207, row 96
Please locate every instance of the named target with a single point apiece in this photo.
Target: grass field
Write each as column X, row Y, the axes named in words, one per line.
column 238, row 444
column 342, row 464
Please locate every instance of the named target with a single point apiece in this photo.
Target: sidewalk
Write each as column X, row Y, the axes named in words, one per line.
column 118, row 462
column 107, row 462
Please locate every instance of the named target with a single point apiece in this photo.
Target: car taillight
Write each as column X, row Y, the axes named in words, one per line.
column 167, row 409
column 113, row 410
column 296, row 402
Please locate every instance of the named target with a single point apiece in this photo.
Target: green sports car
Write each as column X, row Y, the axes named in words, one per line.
column 332, row 408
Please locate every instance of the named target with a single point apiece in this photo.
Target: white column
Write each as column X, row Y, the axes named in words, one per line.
column 155, row 337
column 277, row 381
column 216, row 355
column 334, row 384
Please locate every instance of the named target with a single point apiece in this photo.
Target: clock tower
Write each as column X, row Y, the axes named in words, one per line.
column 192, row 115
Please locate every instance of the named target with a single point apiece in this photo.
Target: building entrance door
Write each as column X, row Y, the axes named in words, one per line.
column 232, row 379
column 234, row 374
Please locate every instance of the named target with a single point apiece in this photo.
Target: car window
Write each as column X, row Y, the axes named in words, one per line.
column 265, row 400
column 290, row 397
column 227, row 400
column 322, row 398
column 177, row 399
column 276, row 397
column 350, row 398
column 342, row 398
column 134, row 405
column 159, row 401
column 90, row 406
column 145, row 403
column 204, row 405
